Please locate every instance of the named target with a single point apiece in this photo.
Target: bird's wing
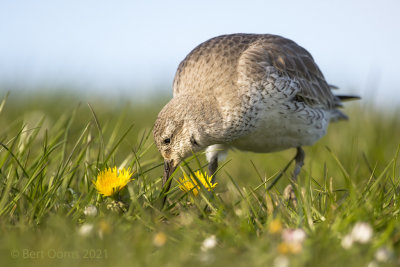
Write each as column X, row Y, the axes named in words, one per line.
column 292, row 61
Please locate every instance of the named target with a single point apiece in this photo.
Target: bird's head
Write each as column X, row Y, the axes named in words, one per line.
column 177, row 133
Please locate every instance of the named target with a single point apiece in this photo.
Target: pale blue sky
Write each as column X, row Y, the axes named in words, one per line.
column 125, row 46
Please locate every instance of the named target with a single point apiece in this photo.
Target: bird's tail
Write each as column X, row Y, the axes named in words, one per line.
column 348, row 97
column 337, row 114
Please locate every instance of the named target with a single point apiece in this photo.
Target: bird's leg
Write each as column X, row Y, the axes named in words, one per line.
column 213, row 154
column 288, row 193
column 212, row 167
column 299, row 162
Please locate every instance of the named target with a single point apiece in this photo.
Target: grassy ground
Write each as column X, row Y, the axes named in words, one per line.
column 53, row 147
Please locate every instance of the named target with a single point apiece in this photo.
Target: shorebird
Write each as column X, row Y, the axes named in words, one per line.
column 253, row 92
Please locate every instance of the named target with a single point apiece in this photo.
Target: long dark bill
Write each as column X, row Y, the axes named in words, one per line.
column 169, row 168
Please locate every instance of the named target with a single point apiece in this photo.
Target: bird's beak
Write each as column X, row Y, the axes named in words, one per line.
column 169, row 168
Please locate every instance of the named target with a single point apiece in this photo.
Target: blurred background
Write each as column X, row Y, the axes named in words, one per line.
column 131, row 49
column 86, row 80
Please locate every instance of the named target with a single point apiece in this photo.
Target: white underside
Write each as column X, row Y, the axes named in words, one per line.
column 275, row 132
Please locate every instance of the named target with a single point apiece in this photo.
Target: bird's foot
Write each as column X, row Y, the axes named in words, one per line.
column 289, row 195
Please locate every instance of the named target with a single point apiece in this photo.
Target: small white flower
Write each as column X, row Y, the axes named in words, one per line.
column 239, row 212
column 85, row 229
column 90, row 211
column 209, row 243
column 372, row 264
column 347, row 242
column 382, row 254
column 293, row 235
column 281, row 261
column 362, row 232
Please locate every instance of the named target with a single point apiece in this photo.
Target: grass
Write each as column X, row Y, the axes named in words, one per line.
column 53, row 147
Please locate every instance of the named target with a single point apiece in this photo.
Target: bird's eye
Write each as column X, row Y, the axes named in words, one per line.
column 167, row 141
column 193, row 141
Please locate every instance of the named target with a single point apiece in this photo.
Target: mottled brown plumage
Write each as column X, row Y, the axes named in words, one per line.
column 229, row 60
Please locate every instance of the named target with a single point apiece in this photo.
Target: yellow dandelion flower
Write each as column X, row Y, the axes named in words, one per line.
column 289, row 248
column 284, row 248
column 189, row 184
column 160, row 239
column 111, row 181
column 275, row 227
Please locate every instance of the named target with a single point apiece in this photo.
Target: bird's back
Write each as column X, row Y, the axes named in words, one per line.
column 212, row 64
column 221, row 65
